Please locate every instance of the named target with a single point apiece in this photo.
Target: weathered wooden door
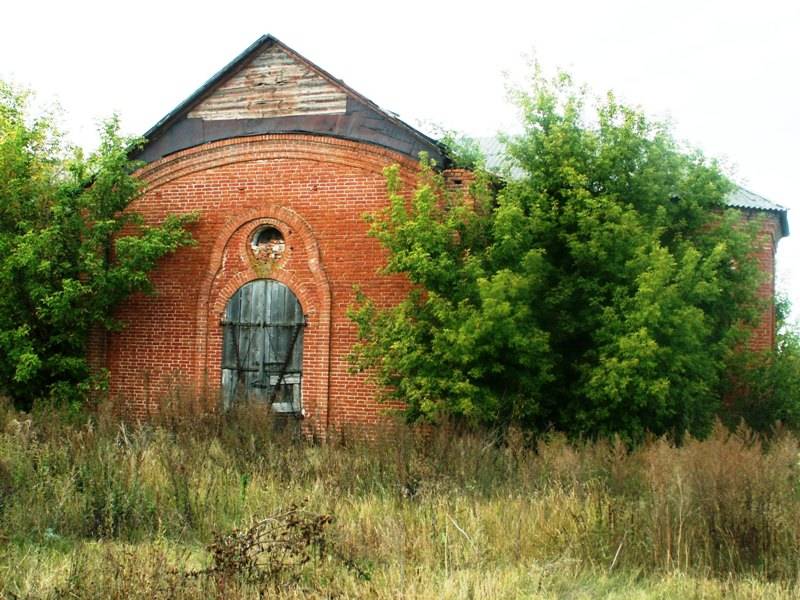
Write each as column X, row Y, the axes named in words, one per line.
column 262, row 347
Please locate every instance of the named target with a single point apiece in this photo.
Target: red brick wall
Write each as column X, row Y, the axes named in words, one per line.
column 315, row 190
column 763, row 337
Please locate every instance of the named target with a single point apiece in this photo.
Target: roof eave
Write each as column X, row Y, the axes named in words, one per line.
column 356, row 95
column 784, row 218
column 218, row 77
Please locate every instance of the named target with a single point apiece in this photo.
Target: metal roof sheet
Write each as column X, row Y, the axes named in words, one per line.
column 742, row 198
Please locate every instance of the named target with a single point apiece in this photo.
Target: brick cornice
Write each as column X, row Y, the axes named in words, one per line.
column 321, row 149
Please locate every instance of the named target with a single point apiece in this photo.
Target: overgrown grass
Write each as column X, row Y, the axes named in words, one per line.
column 93, row 507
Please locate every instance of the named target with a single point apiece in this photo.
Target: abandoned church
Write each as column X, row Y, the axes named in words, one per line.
column 281, row 161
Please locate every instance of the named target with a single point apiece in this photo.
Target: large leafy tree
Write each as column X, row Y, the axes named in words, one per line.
column 69, row 249
column 603, row 288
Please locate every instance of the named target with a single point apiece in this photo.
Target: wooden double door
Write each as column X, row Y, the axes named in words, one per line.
column 262, row 347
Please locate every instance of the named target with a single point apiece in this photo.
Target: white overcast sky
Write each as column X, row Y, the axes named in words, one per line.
column 727, row 73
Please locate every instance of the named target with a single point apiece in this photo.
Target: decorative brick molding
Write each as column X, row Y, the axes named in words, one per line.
column 315, row 299
column 265, row 147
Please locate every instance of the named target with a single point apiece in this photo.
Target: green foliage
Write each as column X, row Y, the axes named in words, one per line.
column 601, row 292
column 766, row 387
column 462, row 151
column 69, row 249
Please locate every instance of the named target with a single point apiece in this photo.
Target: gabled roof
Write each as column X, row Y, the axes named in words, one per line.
column 332, row 108
column 493, row 150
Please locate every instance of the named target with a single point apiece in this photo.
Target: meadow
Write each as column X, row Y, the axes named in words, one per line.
column 239, row 506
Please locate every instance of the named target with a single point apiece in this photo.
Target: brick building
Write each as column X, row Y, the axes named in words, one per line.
column 281, row 160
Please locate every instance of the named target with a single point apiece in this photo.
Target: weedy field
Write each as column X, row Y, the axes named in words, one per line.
column 234, row 506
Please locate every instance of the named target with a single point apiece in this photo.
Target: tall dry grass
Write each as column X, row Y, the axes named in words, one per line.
column 94, row 507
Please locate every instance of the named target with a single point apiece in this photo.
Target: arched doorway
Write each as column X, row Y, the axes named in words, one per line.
column 262, row 346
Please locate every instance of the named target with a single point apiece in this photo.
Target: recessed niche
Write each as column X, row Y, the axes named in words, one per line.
column 267, row 243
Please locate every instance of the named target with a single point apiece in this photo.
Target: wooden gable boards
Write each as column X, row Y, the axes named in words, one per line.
column 269, row 88
column 273, row 84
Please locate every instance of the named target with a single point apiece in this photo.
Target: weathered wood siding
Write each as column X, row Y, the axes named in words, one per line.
column 274, row 84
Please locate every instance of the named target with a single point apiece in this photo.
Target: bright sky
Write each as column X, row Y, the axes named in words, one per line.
column 726, row 72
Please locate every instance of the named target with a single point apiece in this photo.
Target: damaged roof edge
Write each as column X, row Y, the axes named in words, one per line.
column 200, row 92
column 360, row 97
column 237, row 63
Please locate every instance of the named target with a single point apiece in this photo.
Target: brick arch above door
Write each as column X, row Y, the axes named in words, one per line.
column 303, row 274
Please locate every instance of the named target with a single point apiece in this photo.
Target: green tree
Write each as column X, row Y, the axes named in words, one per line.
column 765, row 388
column 602, row 290
column 69, row 249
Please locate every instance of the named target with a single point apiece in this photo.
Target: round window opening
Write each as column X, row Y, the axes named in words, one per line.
column 268, row 243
